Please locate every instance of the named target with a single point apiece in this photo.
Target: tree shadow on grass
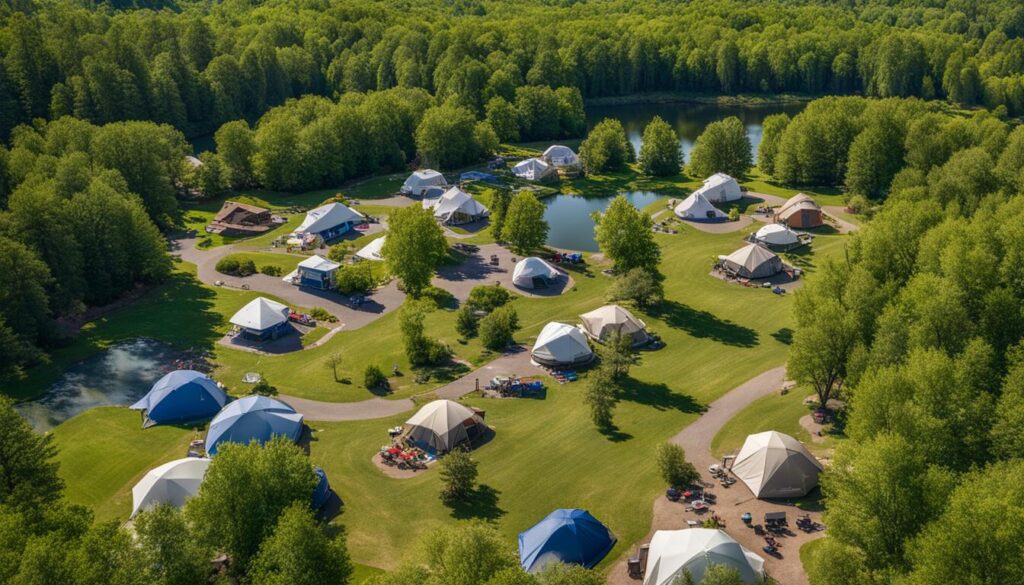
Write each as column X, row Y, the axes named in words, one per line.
column 658, row 396
column 784, row 335
column 702, row 324
column 482, row 505
column 613, row 434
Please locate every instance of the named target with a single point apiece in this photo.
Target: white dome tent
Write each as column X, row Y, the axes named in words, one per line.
column 372, row 251
column 694, row 550
column 533, row 272
column 774, row 465
column 442, row 425
column 455, row 207
column 776, row 234
column 720, row 188
column 171, row 483
column 421, row 181
column 561, row 156
column 560, row 344
column 533, row 169
column 752, row 261
column 696, row 207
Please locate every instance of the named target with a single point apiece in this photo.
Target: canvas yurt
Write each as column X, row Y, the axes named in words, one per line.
column 172, row 483
column 456, row 207
column 422, row 180
column 533, row 272
column 561, row 156
column 181, row 396
column 675, row 552
column 774, row 465
column 776, row 235
column 533, row 169
column 261, row 318
column 560, row 344
column 442, row 425
column 751, row 261
column 696, row 207
column 253, row 418
column 599, row 324
column 372, row 251
column 570, row 536
column 800, row 211
column 720, row 188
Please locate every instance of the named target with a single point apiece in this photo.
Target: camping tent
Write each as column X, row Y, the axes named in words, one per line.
column 455, row 207
column 322, row 492
column 752, row 261
column 329, row 221
column 800, row 211
column 372, row 250
column 776, row 234
column 695, row 550
column 720, row 188
column 253, row 418
column 600, row 323
column 531, row 272
column 774, row 465
column 561, row 345
column 421, row 180
column 696, row 207
column 171, row 483
column 261, row 316
column 181, row 396
column 567, row 536
column 561, row 156
column 533, row 169
column 442, row 425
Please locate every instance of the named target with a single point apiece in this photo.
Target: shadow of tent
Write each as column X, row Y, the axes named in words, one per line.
column 482, row 505
column 702, row 324
column 331, row 508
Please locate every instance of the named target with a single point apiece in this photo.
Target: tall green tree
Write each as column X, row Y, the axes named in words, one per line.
column 171, row 554
column 414, row 247
column 28, row 471
column 723, row 147
column 772, row 129
column 624, row 235
column 300, row 552
column 606, row 148
column 445, row 137
column 523, row 224
column 660, row 154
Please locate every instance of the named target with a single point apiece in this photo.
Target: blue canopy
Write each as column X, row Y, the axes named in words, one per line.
column 253, row 418
column 570, row 536
column 323, row 489
column 181, row 396
column 478, row 176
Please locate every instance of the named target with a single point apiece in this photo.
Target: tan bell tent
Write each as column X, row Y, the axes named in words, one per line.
column 561, row 345
column 774, row 465
column 800, row 211
column 751, row 261
column 442, row 425
column 601, row 323
column 694, row 550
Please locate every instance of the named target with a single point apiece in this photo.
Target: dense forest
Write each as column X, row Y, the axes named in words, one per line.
column 197, row 65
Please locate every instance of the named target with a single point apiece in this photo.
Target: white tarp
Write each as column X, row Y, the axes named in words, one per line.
column 561, row 156
column 695, row 550
column 720, row 188
column 561, row 344
column 697, row 207
column 171, row 483
column 774, row 465
column 372, row 250
column 421, row 180
column 532, row 169
column 442, row 424
column 260, row 314
column 319, row 263
column 775, row 234
column 528, row 269
column 328, row 216
column 752, row 261
column 456, row 206
column 600, row 323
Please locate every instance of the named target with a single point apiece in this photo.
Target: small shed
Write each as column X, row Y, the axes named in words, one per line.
column 236, row 218
column 317, row 272
column 800, row 211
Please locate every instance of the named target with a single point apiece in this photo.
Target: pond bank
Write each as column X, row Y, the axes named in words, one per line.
column 668, row 97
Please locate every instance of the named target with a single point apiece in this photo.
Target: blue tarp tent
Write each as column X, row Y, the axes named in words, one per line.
column 570, row 536
column 323, row 489
column 179, row 397
column 479, row 176
column 253, row 418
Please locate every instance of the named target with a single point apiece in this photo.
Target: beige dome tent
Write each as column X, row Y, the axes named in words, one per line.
column 601, row 323
column 442, row 425
column 531, row 272
column 752, row 261
column 694, row 550
column 561, row 345
column 171, row 483
column 774, row 465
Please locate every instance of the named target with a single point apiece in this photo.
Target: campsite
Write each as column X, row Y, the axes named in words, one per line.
column 447, row 293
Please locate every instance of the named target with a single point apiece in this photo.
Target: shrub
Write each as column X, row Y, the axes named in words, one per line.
column 466, row 322
column 420, row 349
column 337, row 253
column 734, row 214
column 264, row 388
column 321, row 314
column 374, row 377
column 488, row 298
column 675, row 470
column 246, row 267
column 458, row 476
column 271, row 270
column 638, row 285
column 357, row 278
column 227, row 265
column 497, row 329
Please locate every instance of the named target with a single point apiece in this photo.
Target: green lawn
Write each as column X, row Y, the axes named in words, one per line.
column 283, row 261
column 777, row 412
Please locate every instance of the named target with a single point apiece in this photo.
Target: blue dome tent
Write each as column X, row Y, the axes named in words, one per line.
column 179, row 397
column 323, row 489
column 253, row 418
column 569, row 536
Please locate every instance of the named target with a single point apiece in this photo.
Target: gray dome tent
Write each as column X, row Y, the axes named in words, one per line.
column 752, row 261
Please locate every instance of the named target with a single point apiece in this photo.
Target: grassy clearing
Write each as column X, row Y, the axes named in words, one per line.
column 283, row 262
column 777, row 412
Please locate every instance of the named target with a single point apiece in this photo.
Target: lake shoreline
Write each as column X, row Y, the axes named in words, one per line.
column 653, row 98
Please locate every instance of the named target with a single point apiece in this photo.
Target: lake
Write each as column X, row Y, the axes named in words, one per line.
column 568, row 216
column 117, row 376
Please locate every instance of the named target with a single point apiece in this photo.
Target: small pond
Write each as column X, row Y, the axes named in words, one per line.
column 571, row 226
column 117, row 376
